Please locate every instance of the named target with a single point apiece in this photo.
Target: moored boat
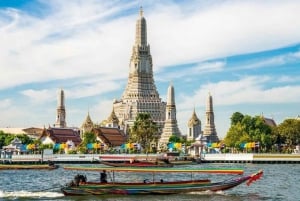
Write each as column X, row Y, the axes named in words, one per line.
column 83, row 187
column 28, row 167
column 136, row 164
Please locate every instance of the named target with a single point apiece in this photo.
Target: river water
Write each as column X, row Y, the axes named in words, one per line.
column 279, row 182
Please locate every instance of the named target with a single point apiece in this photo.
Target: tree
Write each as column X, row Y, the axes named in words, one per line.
column 235, row 136
column 27, row 140
column 144, row 131
column 6, row 138
column 245, row 128
column 289, row 131
column 236, row 118
column 88, row 137
column 174, row 138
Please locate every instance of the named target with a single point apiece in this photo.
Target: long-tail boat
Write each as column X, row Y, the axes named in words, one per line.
column 80, row 185
column 136, row 163
column 27, row 167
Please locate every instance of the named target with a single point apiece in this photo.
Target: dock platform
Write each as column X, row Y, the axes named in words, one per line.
column 96, row 158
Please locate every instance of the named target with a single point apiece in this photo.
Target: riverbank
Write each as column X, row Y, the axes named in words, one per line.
column 97, row 158
column 252, row 158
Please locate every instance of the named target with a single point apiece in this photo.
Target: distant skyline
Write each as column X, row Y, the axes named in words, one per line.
column 245, row 53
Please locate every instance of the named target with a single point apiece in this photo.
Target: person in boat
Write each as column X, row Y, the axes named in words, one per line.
column 51, row 163
column 103, row 177
column 78, row 179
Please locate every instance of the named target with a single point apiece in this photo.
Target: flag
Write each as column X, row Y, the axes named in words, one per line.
column 254, row 177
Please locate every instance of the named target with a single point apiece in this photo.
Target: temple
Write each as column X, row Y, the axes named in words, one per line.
column 140, row 95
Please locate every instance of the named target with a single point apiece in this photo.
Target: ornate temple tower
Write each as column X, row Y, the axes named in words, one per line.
column 210, row 130
column 112, row 120
column 87, row 125
column 170, row 127
column 140, row 95
column 61, row 111
column 194, row 127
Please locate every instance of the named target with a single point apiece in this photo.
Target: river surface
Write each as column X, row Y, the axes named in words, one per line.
column 279, row 182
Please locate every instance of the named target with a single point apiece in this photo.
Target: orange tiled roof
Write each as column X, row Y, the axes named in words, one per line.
column 269, row 122
column 62, row 135
column 110, row 136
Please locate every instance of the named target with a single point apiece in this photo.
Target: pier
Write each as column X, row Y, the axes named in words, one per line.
column 96, row 158
column 251, row 158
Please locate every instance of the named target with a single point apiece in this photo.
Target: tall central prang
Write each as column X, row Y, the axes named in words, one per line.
column 140, row 95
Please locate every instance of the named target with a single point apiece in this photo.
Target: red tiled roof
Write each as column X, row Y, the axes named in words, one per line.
column 110, row 136
column 269, row 122
column 62, row 135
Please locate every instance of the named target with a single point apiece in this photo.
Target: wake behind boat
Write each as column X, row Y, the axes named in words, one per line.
column 80, row 185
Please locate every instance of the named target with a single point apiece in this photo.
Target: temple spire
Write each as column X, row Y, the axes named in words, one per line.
column 60, row 111
column 141, row 11
column 171, row 127
column 171, row 95
column 141, row 30
column 140, row 94
column 210, row 130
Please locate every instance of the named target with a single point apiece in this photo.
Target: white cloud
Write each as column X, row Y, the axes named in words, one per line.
column 272, row 61
column 85, row 47
column 39, row 96
column 78, row 38
column 248, row 90
column 5, row 103
column 183, row 72
column 288, row 79
column 222, row 29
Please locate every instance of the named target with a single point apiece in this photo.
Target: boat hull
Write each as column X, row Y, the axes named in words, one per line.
column 28, row 167
column 154, row 188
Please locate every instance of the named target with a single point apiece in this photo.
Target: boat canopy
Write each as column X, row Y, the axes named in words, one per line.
column 157, row 170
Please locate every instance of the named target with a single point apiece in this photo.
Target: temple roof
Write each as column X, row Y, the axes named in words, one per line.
column 269, row 122
column 113, row 117
column 194, row 120
column 110, row 136
column 88, row 122
column 62, row 135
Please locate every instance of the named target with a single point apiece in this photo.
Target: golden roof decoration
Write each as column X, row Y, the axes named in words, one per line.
column 113, row 117
column 88, row 122
column 194, row 120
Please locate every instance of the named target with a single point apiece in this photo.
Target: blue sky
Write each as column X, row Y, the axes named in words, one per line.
column 245, row 53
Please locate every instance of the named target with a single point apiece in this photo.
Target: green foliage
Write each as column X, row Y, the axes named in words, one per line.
column 175, row 139
column 6, row 138
column 245, row 128
column 144, row 131
column 289, row 132
column 46, row 146
column 88, row 137
column 72, row 152
column 27, row 140
column 236, row 118
column 235, row 135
